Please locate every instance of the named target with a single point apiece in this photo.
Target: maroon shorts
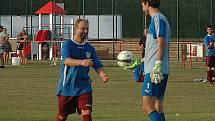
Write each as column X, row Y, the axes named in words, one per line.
column 210, row 61
column 69, row 104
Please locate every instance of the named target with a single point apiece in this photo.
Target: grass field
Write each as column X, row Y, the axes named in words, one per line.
column 28, row 93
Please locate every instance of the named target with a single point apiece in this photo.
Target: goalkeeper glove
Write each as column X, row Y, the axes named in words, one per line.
column 135, row 63
column 157, row 75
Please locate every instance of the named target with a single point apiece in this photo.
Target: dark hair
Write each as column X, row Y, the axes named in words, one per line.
column 209, row 26
column 1, row 27
column 24, row 32
column 153, row 3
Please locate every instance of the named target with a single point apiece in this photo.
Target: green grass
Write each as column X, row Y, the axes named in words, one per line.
column 28, row 93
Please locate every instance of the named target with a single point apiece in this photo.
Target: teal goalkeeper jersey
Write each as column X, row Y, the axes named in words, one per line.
column 75, row 80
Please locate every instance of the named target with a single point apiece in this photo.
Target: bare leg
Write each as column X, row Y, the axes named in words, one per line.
column 2, row 60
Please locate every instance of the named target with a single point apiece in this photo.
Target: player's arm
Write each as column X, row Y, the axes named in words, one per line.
column 157, row 74
column 102, row 74
column 161, row 47
column 208, row 45
column 205, row 42
column 76, row 62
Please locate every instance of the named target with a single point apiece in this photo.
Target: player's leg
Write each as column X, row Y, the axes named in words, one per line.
column 209, row 75
column 213, row 69
column 159, row 108
column 66, row 106
column 60, row 118
column 149, row 108
column 86, row 115
column 209, row 71
column 85, row 106
column 149, row 92
column 159, row 101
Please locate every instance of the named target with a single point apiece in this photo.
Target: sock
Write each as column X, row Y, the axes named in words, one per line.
column 86, row 118
column 209, row 76
column 155, row 116
column 162, row 116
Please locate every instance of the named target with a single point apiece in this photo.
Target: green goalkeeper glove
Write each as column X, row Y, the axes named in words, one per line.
column 157, row 75
column 135, row 63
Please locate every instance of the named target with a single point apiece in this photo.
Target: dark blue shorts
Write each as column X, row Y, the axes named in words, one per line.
column 152, row 89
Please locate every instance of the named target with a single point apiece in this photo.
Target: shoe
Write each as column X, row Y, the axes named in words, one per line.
column 1, row 66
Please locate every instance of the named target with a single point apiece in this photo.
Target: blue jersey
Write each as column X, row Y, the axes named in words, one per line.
column 75, row 80
column 207, row 40
column 159, row 27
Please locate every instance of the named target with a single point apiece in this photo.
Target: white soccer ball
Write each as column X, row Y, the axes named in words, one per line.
column 124, row 58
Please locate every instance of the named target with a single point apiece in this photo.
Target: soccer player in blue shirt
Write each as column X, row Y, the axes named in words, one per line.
column 156, row 61
column 74, row 89
column 209, row 41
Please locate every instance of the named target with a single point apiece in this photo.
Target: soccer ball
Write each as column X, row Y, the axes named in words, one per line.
column 124, row 58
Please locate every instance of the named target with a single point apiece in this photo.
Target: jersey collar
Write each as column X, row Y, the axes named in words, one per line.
column 78, row 43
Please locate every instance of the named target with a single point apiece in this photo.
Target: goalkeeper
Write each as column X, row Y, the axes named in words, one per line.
column 156, row 61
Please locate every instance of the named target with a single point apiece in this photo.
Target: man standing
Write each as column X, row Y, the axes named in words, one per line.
column 74, row 89
column 156, row 61
column 209, row 41
column 2, row 45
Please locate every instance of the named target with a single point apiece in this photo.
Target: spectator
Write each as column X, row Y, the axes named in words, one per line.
column 3, row 37
column 20, row 45
column 7, row 47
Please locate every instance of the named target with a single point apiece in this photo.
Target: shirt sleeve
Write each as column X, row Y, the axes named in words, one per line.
column 160, row 27
column 66, row 50
column 206, row 41
column 96, row 61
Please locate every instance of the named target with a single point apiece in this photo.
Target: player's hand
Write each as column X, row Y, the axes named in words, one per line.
column 210, row 45
column 214, row 44
column 87, row 62
column 105, row 78
column 135, row 63
column 156, row 74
